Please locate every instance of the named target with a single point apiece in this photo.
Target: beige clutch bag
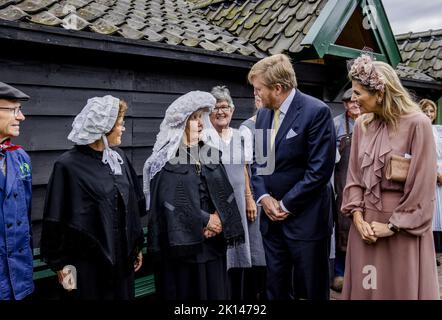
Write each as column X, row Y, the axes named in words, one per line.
column 397, row 168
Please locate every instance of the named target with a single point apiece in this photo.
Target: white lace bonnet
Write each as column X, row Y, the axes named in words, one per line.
column 171, row 133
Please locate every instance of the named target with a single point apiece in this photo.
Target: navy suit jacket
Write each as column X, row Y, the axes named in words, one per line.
column 304, row 160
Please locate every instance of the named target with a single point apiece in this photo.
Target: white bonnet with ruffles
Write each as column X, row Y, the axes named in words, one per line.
column 96, row 119
column 171, row 133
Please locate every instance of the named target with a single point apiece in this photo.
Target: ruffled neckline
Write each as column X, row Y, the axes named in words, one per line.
column 373, row 162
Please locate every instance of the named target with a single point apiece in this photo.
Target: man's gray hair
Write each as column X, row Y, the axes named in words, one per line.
column 221, row 93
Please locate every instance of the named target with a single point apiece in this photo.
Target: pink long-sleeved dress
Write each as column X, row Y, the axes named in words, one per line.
column 402, row 266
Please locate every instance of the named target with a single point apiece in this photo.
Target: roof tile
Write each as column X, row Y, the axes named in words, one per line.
column 130, row 33
column 135, row 23
column 166, row 21
column 296, row 44
column 253, row 19
column 115, row 18
column 248, row 7
column 265, row 20
column 108, row 3
column 209, row 46
column 12, row 13
column 293, row 3
column 287, row 14
column 172, row 36
column 4, row 3
column 422, row 50
column 267, row 45
column 436, row 44
column 76, row 3
column 90, row 13
column 60, row 10
column 153, row 36
column 260, row 31
column 34, row 6
column 104, row 27
column 412, row 73
column 74, row 22
column 278, row 4
column 46, row 18
column 437, row 64
column 264, row 6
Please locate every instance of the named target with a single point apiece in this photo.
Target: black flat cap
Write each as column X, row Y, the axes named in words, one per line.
column 10, row 93
column 347, row 95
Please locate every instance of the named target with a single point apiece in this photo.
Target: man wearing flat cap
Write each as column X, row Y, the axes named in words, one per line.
column 344, row 128
column 15, row 200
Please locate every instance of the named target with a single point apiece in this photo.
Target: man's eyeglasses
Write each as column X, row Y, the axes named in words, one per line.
column 16, row 111
column 224, row 109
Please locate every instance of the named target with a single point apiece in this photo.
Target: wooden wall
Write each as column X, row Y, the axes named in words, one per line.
column 60, row 80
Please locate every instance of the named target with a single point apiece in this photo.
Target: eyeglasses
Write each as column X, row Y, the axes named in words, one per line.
column 224, row 109
column 16, row 111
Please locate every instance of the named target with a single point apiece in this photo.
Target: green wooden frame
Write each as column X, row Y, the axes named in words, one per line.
column 332, row 21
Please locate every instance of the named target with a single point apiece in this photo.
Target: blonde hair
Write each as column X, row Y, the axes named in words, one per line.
column 396, row 101
column 276, row 69
column 425, row 102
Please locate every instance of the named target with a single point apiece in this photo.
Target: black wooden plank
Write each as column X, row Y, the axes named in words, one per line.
column 70, row 101
column 63, row 101
column 45, row 133
column 244, row 107
column 50, row 133
column 140, row 156
column 64, row 75
column 311, row 73
column 42, row 165
column 154, row 105
column 151, row 104
column 36, row 233
column 145, row 131
column 163, row 76
column 182, row 78
column 38, row 198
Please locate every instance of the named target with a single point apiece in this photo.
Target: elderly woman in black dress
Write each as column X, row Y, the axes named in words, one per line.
column 193, row 215
column 92, row 235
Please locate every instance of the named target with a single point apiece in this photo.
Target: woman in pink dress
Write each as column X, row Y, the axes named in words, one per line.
column 390, row 253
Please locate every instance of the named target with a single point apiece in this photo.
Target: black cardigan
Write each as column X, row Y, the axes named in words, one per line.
column 175, row 219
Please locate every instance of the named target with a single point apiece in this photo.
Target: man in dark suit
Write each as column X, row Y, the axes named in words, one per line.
column 296, row 196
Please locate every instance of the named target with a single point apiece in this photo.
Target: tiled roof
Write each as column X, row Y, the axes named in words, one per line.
column 274, row 26
column 423, row 51
column 165, row 21
column 406, row 72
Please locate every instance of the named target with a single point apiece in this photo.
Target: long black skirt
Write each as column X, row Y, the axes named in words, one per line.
column 96, row 281
column 180, row 280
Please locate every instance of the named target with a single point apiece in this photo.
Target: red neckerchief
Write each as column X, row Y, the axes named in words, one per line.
column 8, row 146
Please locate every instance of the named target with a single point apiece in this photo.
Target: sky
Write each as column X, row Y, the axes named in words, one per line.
column 413, row 15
